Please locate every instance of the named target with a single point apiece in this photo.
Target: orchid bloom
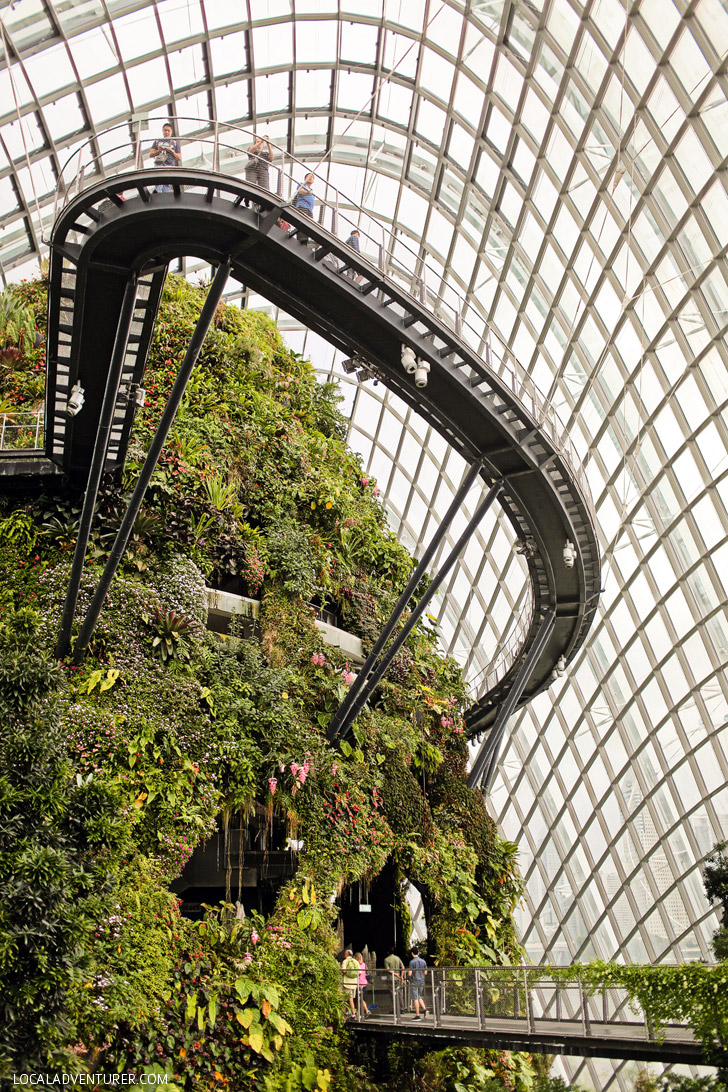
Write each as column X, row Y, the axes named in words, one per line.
column 272, row 784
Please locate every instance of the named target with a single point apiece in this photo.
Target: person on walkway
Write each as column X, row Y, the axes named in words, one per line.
column 260, row 154
column 350, row 970
column 394, row 965
column 166, row 152
column 305, row 197
column 353, row 242
column 363, row 980
column 417, row 973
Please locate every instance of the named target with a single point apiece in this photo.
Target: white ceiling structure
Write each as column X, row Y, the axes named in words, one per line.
column 562, row 166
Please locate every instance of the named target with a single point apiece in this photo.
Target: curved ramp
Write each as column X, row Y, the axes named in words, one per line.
column 122, row 225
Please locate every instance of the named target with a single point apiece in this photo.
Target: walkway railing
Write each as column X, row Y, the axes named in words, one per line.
column 21, row 430
column 512, row 999
column 222, row 148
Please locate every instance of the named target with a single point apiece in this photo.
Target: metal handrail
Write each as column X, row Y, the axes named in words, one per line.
column 492, row 998
column 18, row 427
column 395, row 258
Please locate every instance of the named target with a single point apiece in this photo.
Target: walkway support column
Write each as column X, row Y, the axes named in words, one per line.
column 98, row 461
column 457, row 502
column 365, row 691
column 122, row 537
column 484, row 765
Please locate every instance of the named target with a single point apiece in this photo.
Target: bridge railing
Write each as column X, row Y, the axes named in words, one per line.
column 510, row 998
column 222, row 148
column 21, row 430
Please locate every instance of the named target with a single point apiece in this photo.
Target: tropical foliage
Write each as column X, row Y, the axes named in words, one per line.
column 113, row 772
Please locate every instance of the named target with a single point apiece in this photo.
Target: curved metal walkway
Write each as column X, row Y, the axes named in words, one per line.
column 508, row 1009
column 121, row 228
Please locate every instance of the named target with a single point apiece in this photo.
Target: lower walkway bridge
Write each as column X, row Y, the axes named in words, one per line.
column 511, row 1008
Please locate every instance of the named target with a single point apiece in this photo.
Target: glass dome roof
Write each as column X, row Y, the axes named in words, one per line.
column 563, row 166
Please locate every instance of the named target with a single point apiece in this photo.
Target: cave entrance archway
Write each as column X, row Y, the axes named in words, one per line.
column 370, row 915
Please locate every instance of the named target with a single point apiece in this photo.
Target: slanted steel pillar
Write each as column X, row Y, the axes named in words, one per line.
column 457, row 502
column 98, row 461
column 365, row 691
column 122, row 537
column 483, row 769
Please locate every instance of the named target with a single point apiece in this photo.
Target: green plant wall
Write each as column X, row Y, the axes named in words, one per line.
column 115, row 771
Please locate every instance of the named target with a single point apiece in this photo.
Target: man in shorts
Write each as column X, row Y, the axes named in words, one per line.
column 416, row 974
column 350, row 970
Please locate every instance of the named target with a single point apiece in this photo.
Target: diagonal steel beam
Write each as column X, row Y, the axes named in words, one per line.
column 98, row 461
column 365, row 691
column 484, row 766
column 155, row 449
column 399, row 607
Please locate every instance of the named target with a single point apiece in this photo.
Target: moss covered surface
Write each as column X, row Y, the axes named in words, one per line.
column 113, row 772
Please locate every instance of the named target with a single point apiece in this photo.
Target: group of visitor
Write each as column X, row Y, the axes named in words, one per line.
column 166, row 152
column 356, row 977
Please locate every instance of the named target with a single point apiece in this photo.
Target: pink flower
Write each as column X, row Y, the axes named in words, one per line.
column 254, row 937
column 272, row 784
column 348, row 677
column 365, row 481
column 247, row 958
column 295, row 768
column 334, row 768
column 318, row 659
column 375, row 490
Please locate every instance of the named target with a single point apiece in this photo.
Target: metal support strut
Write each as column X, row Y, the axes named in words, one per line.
column 122, row 537
column 484, row 766
column 375, row 675
column 457, row 502
column 111, row 392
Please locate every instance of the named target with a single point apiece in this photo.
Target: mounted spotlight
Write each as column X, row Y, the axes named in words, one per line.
column 559, row 669
column 421, row 372
column 409, row 360
column 75, row 401
column 527, row 547
column 569, row 554
column 350, row 365
column 133, row 392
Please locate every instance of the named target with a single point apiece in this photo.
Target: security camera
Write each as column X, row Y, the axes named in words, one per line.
column 409, row 360
column 421, row 371
column 75, row 400
column 569, row 554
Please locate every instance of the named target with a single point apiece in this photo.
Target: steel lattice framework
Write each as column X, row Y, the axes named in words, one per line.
column 563, row 165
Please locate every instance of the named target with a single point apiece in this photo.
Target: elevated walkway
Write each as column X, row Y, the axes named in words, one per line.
column 511, row 1009
column 110, row 249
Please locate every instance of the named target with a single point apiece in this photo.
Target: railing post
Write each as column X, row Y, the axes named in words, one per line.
column 433, row 994
column 478, row 1000
column 216, row 147
column 605, row 1017
column 584, row 1011
column 529, row 1005
column 393, row 979
column 2, row 434
column 558, row 1002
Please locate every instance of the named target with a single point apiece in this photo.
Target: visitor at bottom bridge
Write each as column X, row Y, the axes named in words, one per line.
column 416, row 974
column 350, row 969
